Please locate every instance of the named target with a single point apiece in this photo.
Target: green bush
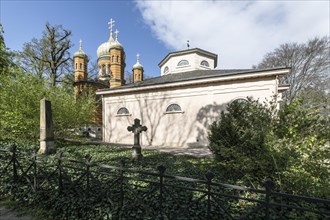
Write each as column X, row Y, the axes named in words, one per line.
column 239, row 139
column 291, row 146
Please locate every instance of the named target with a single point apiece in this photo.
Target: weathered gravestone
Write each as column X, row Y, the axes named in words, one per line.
column 47, row 144
column 136, row 128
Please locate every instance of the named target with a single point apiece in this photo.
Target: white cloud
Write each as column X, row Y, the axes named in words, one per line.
column 241, row 33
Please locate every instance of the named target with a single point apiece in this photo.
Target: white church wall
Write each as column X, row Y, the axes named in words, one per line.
column 201, row 105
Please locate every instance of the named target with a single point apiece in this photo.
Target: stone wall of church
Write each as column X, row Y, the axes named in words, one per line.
column 200, row 106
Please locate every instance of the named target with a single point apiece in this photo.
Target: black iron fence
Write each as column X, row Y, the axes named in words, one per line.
column 86, row 190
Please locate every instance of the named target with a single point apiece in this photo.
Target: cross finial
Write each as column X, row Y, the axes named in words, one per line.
column 116, row 32
column 188, row 45
column 80, row 42
column 111, row 23
column 137, row 58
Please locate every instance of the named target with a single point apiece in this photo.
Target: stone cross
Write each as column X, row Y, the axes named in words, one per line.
column 47, row 145
column 136, row 128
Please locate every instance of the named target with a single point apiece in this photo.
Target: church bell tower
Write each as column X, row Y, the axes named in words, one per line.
column 80, row 60
column 137, row 70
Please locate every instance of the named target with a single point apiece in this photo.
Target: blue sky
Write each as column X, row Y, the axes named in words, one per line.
column 240, row 32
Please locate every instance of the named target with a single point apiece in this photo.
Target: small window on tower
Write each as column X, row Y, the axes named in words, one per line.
column 183, row 63
column 112, row 58
column 117, row 59
column 76, row 65
column 166, row 69
column 80, row 66
column 205, row 63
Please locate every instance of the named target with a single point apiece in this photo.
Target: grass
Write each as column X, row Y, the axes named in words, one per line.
column 181, row 165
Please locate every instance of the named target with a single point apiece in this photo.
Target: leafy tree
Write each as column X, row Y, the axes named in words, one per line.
column 309, row 62
column 239, row 139
column 20, row 104
column 291, row 146
column 48, row 56
column 303, row 145
column 5, row 56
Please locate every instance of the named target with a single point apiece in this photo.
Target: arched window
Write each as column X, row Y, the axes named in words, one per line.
column 173, row 108
column 166, row 70
column 76, row 65
column 80, row 66
column 183, row 63
column 103, row 69
column 205, row 63
column 117, row 59
column 112, row 58
column 123, row 111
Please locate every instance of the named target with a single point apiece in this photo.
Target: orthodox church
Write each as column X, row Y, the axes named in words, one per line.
column 178, row 106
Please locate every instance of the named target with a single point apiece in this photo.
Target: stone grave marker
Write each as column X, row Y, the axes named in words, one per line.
column 136, row 128
column 47, row 144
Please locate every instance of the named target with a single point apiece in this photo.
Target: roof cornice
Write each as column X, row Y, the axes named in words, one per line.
column 190, row 51
column 220, row 78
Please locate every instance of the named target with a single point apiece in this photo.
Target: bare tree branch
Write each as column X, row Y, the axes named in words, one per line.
column 309, row 62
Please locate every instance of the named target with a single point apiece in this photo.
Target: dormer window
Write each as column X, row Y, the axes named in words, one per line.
column 183, row 63
column 166, row 69
column 205, row 63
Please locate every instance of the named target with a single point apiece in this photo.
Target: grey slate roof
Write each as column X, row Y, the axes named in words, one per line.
column 188, row 76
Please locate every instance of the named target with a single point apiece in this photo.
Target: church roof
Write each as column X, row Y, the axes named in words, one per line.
column 196, row 75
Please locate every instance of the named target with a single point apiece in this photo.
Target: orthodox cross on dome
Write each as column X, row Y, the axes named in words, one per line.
column 138, row 58
column 111, row 23
column 116, row 32
column 80, row 42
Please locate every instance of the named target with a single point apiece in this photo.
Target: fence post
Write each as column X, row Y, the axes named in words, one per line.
column 269, row 184
column 161, row 170
column 14, row 159
column 209, row 176
column 59, row 168
column 35, row 183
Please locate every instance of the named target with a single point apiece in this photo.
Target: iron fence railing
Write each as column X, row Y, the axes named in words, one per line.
column 89, row 190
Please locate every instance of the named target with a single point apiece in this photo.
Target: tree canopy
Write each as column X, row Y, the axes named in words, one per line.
column 48, row 56
column 254, row 142
column 21, row 91
column 309, row 62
